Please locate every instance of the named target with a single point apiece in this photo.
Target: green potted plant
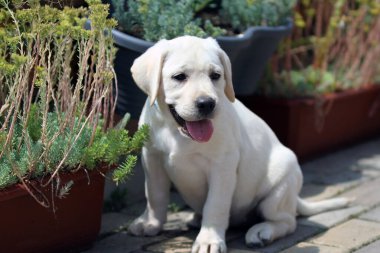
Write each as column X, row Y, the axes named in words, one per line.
column 56, row 125
column 247, row 30
column 320, row 91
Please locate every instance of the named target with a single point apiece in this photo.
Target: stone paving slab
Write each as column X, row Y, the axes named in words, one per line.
column 371, row 248
column 365, row 154
column 316, row 192
column 114, row 237
column 372, row 215
column 369, row 161
column 178, row 244
column 184, row 242
column 305, row 247
column 367, row 194
column 337, row 175
column 332, row 218
column 302, row 232
column 354, row 172
column 348, row 165
column 349, row 235
column 114, row 222
column 123, row 242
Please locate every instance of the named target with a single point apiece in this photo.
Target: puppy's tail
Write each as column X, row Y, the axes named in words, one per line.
column 306, row 208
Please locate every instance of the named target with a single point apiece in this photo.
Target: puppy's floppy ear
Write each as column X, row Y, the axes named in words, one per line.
column 147, row 69
column 229, row 89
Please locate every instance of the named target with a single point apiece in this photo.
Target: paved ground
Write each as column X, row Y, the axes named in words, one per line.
column 353, row 172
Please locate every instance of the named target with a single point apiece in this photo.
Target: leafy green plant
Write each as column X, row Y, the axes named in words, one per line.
column 334, row 47
column 166, row 19
column 244, row 13
column 56, row 94
column 174, row 207
column 301, row 83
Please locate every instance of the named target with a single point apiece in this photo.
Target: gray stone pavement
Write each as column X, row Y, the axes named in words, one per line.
column 353, row 172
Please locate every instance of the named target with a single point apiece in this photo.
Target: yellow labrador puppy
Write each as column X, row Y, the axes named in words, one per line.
column 223, row 159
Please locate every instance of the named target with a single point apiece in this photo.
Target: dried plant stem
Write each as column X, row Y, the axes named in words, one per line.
column 63, row 70
column 338, row 42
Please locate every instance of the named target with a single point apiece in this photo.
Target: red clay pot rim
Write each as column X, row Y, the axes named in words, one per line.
column 328, row 96
column 18, row 189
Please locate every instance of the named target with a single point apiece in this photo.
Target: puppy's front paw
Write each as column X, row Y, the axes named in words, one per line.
column 208, row 240
column 143, row 226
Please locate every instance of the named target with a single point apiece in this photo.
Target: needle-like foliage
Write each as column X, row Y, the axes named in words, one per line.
column 56, row 92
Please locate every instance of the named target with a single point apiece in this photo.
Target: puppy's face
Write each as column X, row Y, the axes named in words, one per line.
column 192, row 80
column 193, row 76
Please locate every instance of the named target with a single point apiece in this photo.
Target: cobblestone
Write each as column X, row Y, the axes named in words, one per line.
column 373, row 215
column 352, row 173
column 302, row 232
column 332, row 218
column 114, row 222
column 305, row 247
column 373, row 247
column 316, row 192
column 367, row 194
column 349, row 235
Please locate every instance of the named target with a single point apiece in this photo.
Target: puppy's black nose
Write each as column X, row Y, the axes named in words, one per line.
column 205, row 105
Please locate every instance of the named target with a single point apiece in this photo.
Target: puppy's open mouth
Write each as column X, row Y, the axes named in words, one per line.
column 200, row 130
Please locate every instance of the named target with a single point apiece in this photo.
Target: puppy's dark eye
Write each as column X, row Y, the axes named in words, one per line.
column 180, row 77
column 214, row 76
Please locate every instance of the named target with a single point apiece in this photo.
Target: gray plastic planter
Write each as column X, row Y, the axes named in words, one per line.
column 130, row 98
column 248, row 52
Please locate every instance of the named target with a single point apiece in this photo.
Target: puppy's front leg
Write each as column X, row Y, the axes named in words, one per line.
column 216, row 211
column 157, row 186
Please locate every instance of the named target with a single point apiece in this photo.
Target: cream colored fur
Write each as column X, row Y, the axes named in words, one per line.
column 242, row 167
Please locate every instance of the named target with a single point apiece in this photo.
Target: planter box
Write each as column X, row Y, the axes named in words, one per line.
column 311, row 127
column 248, row 52
column 130, row 98
column 28, row 227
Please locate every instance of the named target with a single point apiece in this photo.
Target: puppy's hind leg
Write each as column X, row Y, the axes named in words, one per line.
column 279, row 211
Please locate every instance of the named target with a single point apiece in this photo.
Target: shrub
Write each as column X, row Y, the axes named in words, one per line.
column 56, row 94
column 244, row 13
column 334, row 47
column 73, row 148
column 166, row 19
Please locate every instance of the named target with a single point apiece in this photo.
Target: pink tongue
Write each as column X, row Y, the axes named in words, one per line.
column 201, row 130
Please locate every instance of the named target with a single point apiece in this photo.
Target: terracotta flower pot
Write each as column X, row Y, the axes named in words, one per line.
column 28, row 227
column 311, row 127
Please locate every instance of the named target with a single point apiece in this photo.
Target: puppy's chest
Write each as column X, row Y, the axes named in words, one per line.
column 184, row 159
column 178, row 163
